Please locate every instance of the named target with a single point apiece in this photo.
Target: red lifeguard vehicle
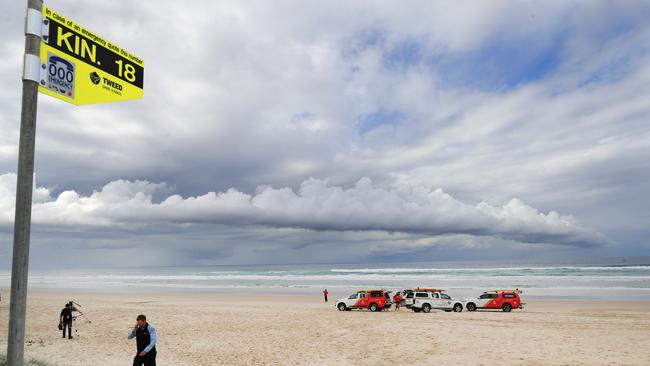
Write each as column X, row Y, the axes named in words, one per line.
column 505, row 300
column 373, row 300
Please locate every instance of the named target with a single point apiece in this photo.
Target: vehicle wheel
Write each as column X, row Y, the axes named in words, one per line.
column 506, row 307
column 458, row 307
column 426, row 308
column 471, row 307
column 373, row 307
column 416, row 310
column 342, row 307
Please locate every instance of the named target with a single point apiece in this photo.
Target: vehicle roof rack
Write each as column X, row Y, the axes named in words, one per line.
column 427, row 289
column 515, row 291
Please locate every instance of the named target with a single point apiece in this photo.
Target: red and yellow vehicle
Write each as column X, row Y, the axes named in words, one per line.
column 505, row 300
column 373, row 300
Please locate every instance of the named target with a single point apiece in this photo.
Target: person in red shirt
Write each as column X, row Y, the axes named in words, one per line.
column 325, row 293
column 397, row 299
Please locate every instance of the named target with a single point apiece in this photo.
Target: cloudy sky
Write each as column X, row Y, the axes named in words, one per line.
column 343, row 131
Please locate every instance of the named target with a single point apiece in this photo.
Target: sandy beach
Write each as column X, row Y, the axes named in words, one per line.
column 232, row 329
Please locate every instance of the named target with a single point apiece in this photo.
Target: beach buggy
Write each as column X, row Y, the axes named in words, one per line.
column 373, row 300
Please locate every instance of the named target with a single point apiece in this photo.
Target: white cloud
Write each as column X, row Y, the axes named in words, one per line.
column 252, row 93
column 316, row 205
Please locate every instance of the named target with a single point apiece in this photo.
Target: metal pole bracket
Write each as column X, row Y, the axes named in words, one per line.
column 45, row 33
column 34, row 23
column 32, row 68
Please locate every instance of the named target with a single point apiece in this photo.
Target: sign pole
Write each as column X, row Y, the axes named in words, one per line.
column 24, row 187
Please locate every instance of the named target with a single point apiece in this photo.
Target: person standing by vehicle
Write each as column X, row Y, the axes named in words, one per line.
column 66, row 320
column 146, row 338
column 325, row 293
column 397, row 299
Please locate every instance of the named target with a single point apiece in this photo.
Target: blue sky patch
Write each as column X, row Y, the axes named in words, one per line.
column 371, row 121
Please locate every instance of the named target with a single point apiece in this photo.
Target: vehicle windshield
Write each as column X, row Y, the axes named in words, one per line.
column 353, row 296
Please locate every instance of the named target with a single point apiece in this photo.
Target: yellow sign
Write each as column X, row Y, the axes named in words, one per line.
column 80, row 67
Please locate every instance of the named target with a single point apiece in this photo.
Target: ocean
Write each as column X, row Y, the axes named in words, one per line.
column 606, row 279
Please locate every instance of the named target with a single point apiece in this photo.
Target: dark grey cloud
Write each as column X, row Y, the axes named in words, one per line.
column 315, row 206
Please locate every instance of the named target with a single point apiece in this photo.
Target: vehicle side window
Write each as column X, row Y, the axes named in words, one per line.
column 509, row 296
column 434, row 295
column 421, row 294
column 353, row 296
column 361, row 296
column 484, row 296
column 409, row 296
column 445, row 296
column 375, row 294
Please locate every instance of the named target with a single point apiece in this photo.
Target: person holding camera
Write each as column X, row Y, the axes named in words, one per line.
column 146, row 338
column 65, row 320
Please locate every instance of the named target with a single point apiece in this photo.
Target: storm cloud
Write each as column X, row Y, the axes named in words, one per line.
column 316, row 205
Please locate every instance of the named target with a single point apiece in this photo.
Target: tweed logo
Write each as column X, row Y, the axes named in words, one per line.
column 94, row 77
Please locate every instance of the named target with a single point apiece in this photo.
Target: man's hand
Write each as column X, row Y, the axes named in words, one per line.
column 143, row 353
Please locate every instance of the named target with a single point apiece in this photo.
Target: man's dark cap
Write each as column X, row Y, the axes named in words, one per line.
column 141, row 317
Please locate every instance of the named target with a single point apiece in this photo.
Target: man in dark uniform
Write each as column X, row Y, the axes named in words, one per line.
column 146, row 338
column 66, row 319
